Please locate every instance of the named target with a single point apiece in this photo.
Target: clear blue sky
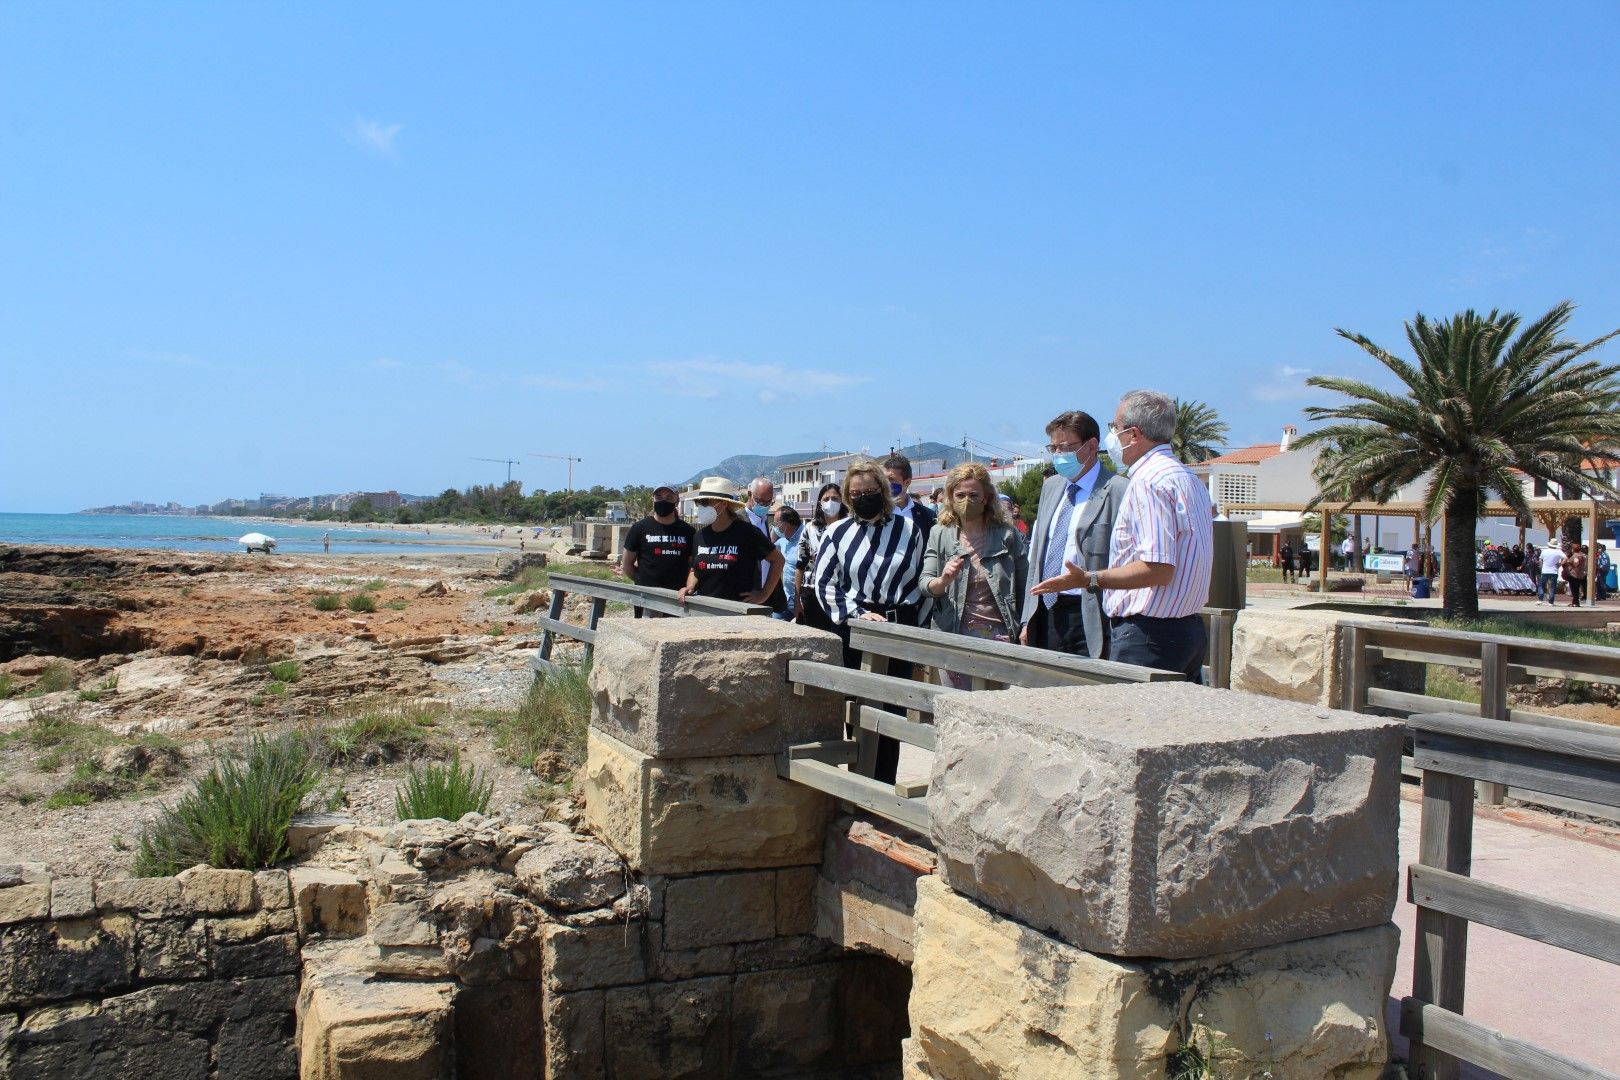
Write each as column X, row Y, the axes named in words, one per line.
column 310, row 248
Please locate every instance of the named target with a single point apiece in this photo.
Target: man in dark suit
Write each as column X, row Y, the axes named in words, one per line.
column 1074, row 522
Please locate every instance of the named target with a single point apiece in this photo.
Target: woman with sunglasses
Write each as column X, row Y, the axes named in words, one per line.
column 829, row 509
column 973, row 566
column 725, row 563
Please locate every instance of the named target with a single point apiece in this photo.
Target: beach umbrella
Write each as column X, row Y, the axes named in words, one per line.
column 257, row 540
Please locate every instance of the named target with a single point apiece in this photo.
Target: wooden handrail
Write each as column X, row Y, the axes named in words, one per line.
column 1014, row 665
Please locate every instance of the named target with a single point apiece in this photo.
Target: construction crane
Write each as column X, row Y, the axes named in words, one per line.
column 563, row 457
column 508, row 462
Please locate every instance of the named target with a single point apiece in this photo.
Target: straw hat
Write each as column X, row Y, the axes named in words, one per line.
column 717, row 488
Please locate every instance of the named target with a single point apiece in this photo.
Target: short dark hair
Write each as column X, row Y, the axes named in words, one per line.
column 899, row 463
column 1081, row 423
column 788, row 514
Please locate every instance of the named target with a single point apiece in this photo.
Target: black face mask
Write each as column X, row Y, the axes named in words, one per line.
column 663, row 507
column 868, row 504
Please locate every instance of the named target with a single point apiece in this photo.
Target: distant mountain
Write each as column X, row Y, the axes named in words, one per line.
column 741, row 468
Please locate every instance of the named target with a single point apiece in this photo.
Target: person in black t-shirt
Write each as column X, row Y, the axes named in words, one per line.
column 726, row 562
column 658, row 549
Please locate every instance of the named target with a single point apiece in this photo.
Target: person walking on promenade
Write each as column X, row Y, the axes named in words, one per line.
column 973, row 565
column 868, row 568
column 897, row 470
column 829, row 509
column 1600, row 578
column 658, row 548
column 789, row 531
column 1078, row 507
column 1162, row 552
column 1552, row 565
column 728, row 553
column 1285, row 559
column 1575, row 573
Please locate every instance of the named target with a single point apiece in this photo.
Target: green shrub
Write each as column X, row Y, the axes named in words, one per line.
column 236, row 816
column 285, row 671
column 552, row 718
column 362, row 601
column 528, row 580
column 57, row 676
column 374, row 585
column 495, row 630
column 7, row 685
column 383, row 733
column 397, row 605
column 275, row 688
column 91, row 783
column 443, row 791
column 89, row 695
column 327, row 601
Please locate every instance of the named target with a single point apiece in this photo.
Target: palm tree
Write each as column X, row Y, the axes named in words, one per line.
column 1199, row 432
column 1480, row 407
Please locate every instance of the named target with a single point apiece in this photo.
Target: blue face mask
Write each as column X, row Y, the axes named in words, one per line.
column 759, row 511
column 894, row 489
column 1067, row 465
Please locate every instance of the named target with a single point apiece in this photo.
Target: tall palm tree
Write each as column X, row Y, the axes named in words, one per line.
column 1199, row 433
column 1480, row 406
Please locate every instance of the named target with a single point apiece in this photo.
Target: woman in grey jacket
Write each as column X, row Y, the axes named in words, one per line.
column 973, row 566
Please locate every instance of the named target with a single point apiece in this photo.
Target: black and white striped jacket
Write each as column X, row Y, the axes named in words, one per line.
column 868, row 566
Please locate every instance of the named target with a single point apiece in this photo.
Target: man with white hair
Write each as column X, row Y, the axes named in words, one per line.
column 761, row 495
column 1162, row 551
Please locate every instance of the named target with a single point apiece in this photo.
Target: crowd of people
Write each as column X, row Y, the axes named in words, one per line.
column 1115, row 566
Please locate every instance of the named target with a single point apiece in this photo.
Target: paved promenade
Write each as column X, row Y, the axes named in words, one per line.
column 1561, row 1000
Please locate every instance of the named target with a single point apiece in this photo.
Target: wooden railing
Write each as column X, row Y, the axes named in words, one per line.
column 1500, row 660
column 1454, row 752
column 989, row 665
column 1218, row 626
column 602, row 593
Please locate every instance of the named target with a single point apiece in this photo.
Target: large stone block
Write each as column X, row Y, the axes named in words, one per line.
column 349, row 1029
column 328, row 901
column 992, row 997
column 572, row 873
column 1167, row 819
column 720, row 813
column 205, row 890
column 1295, row 655
column 719, row 909
column 669, row 1031
column 50, row 961
column 589, row 958
column 23, row 902
column 576, row 1046
column 784, row 1021
column 681, row 688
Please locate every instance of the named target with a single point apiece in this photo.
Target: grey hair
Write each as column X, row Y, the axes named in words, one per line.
column 1149, row 411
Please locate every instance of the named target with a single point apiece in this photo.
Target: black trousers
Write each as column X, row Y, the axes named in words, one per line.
column 888, row 750
column 1060, row 627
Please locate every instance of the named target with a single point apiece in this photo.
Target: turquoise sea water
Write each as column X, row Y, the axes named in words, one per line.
column 173, row 533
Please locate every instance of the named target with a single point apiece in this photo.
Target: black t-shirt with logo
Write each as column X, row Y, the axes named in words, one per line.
column 663, row 552
column 727, row 563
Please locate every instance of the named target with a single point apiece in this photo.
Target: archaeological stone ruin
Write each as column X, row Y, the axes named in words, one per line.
column 1112, row 874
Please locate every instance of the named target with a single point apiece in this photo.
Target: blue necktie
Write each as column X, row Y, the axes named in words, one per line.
column 1052, row 564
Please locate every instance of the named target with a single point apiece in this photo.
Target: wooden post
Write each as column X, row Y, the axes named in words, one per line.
column 1591, row 557
column 598, row 606
column 554, row 612
column 1353, row 669
column 1493, row 705
column 1327, row 551
column 1438, row 964
column 866, row 741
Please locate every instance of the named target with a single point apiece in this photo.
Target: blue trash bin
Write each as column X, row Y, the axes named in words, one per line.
column 1612, row 581
column 1420, row 588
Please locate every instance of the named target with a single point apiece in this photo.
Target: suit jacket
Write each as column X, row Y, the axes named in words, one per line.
column 1093, row 526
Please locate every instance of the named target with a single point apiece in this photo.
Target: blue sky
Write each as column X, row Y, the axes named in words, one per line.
column 310, row 248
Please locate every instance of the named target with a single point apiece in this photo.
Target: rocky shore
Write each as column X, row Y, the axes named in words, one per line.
column 122, row 672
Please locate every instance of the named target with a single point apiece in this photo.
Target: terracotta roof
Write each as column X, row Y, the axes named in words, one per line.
column 1247, row 455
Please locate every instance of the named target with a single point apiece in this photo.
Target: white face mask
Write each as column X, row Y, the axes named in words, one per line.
column 706, row 516
column 830, row 507
column 1115, row 452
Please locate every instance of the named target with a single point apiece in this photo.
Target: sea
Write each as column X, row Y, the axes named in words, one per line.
column 177, row 533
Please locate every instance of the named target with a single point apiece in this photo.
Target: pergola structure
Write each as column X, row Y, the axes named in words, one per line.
column 1551, row 513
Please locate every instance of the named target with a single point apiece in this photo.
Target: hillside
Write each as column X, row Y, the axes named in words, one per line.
column 741, row 468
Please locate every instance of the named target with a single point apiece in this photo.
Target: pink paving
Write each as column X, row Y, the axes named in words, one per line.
column 1562, row 1000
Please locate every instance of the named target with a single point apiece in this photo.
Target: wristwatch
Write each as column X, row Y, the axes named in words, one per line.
column 1092, row 585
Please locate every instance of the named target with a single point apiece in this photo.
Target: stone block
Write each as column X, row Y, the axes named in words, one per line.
column 276, row 955
column 796, row 900
column 1295, row 655
column 572, row 873
column 350, row 1029
column 784, row 1021
column 145, row 897
column 683, row 688
column 242, row 928
column 992, row 997
column 776, row 953
column 590, row 958
column 308, row 831
column 50, row 961
column 669, row 1031
column 207, row 891
column 670, row 965
column 498, row 1032
column 721, row 813
column 408, row 961
column 171, row 949
column 328, row 901
column 719, row 909
column 73, row 898
column 271, row 890
column 403, row 924
column 1167, row 819
column 20, row 903
column 576, row 1045
column 855, row 916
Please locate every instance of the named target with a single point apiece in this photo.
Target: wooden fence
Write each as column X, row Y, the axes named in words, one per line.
column 1454, row 752
column 1500, row 660
column 602, row 593
column 989, row 664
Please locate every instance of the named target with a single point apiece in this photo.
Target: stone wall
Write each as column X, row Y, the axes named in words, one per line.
column 185, row 977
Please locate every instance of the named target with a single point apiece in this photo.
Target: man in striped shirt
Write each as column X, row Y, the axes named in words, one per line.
column 1162, row 551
